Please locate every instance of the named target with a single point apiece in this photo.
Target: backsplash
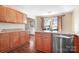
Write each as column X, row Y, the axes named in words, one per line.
column 12, row 26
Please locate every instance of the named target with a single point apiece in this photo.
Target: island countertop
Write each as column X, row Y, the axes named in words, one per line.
column 55, row 32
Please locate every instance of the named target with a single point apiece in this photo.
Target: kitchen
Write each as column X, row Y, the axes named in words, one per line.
column 40, row 30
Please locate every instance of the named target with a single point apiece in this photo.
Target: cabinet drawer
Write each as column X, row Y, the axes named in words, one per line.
column 38, row 34
column 47, row 34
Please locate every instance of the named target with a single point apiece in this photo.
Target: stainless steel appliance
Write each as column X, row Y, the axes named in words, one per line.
column 62, row 43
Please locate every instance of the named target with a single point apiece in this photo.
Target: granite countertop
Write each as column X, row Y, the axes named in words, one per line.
column 10, row 30
column 55, row 32
column 60, row 32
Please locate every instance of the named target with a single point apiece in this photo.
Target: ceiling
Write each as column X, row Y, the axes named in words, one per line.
column 38, row 10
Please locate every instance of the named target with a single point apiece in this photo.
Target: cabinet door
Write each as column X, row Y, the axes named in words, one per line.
column 22, row 38
column 76, row 44
column 14, row 40
column 27, row 37
column 47, row 42
column 38, row 42
column 24, row 19
column 11, row 15
column 4, row 42
column 19, row 17
column 2, row 14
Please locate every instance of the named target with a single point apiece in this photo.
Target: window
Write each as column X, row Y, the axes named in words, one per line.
column 47, row 23
column 53, row 24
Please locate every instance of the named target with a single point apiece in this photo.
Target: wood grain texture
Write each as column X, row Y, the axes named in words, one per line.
column 76, row 43
column 8, row 15
column 43, row 42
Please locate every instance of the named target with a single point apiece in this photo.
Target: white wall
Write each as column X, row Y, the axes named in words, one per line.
column 67, row 23
column 76, row 20
column 12, row 26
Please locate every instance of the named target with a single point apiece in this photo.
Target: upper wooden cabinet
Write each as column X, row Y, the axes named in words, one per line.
column 2, row 14
column 24, row 18
column 8, row 15
column 19, row 17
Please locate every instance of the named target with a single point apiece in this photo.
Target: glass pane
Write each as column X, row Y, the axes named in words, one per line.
column 55, row 23
column 46, row 23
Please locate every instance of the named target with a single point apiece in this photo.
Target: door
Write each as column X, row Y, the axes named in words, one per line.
column 4, row 42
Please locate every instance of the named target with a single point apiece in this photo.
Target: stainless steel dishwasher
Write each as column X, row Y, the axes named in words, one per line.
column 62, row 43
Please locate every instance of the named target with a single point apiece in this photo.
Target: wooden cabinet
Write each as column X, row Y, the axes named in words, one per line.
column 4, row 42
column 19, row 17
column 43, row 41
column 8, row 15
column 47, row 42
column 27, row 37
column 76, row 44
column 24, row 18
column 14, row 39
column 38, row 41
column 11, row 40
column 24, row 37
column 2, row 14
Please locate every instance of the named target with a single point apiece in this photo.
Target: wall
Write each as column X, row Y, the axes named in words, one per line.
column 67, row 23
column 12, row 26
column 30, row 26
column 38, row 24
column 76, row 20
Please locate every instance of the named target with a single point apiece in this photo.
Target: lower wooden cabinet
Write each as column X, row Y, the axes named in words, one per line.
column 11, row 40
column 14, row 39
column 4, row 42
column 43, row 41
column 38, row 42
column 23, row 37
column 27, row 37
column 76, row 43
column 47, row 42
